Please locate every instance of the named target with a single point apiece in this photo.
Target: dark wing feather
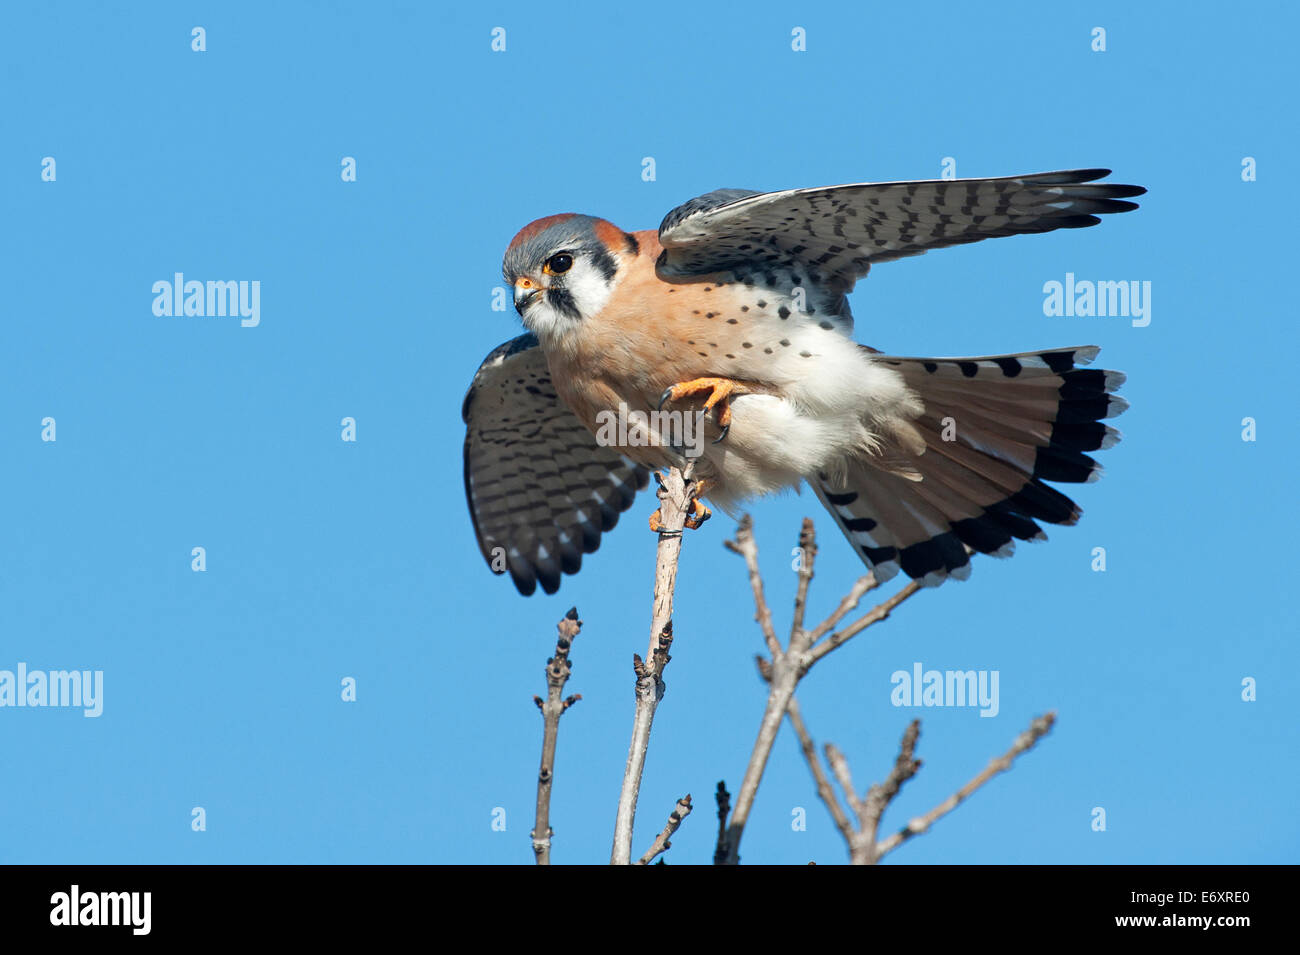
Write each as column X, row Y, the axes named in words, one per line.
column 996, row 428
column 836, row 233
column 540, row 489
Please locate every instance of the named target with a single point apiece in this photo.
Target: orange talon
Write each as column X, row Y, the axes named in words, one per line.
column 721, row 391
column 695, row 517
column 698, row 515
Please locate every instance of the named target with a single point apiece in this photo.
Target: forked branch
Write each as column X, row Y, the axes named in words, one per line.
column 859, row 821
column 788, row 666
column 860, row 831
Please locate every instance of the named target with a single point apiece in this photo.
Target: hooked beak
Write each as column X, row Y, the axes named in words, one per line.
column 525, row 292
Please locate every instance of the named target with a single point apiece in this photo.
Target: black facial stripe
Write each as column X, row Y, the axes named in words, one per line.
column 560, row 299
column 603, row 261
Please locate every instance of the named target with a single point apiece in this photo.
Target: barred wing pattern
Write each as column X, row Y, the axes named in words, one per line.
column 541, row 491
column 836, row 233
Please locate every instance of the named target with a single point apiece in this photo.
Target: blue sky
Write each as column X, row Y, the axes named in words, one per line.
column 328, row 559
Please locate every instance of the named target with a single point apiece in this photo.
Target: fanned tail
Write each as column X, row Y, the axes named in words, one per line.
column 996, row 428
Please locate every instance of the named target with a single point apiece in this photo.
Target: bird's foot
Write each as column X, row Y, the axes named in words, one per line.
column 720, row 390
column 695, row 517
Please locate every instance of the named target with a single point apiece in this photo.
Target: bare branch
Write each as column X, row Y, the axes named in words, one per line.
column 784, row 675
column 840, row 767
column 1024, row 742
column 720, row 852
column 807, row 555
column 784, row 671
column 824, row 788
column 553, row 707
column 878, row 613
column 881, row 795
column 788, row 667
column 746, row 547
column 676, row 494
column 661, row 843
column 861, row 587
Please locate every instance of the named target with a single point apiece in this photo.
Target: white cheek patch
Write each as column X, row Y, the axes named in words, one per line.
column 587, row 288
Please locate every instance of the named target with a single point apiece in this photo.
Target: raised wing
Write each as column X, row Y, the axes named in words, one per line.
column 836, row 233
column 540, row 489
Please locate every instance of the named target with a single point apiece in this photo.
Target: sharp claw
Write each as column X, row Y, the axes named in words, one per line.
column 698, row 515
column 718, row 405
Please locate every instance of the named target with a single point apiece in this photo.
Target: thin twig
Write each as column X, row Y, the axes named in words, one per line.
column 824, row 788
column 861, row 587
column 879, row 796
column 745, row 546
column 807, row 555
column 1024, row 742
column 676, row 493
column 878, row 613
column 840, row 767
column 723, row 798
column 781, row 684
column 553, row 707
column 661, row 843
column 782, row 673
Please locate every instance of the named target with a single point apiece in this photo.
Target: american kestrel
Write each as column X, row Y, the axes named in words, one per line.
column 737, row 306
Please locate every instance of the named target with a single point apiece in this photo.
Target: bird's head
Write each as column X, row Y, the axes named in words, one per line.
column 563, row 268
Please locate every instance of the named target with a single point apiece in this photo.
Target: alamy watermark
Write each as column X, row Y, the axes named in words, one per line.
column 1085, row 298
column 922, row 687
column 209, row 299
column 65, row 688
column 127, row 909
column 624, row 428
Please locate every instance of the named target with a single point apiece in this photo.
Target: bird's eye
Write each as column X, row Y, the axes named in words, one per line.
column 559, row 263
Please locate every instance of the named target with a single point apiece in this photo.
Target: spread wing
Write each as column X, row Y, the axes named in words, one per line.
column 836, row 233
column 540, row 489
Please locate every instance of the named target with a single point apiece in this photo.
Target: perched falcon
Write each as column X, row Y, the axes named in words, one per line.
column 737, row 309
